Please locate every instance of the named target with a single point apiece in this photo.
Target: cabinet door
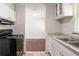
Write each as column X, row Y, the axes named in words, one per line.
column 12, row 15
column 63, row 50
column 56, row 51
column 67, row 52
column 59, row 50
column 53, row 47
column 4, row 11
column 47, row 43
column 12, row 12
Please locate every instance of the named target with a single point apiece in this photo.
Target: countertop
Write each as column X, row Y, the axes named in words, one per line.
column 73, row 48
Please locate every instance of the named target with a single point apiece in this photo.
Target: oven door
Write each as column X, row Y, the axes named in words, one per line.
column 4, row 47
column 7, row 47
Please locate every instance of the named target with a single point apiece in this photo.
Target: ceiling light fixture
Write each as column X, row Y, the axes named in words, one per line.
column 34, row 14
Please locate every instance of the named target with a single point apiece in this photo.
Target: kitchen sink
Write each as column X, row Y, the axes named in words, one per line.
column 68, row 39
column 64, row 39
column 74, row 42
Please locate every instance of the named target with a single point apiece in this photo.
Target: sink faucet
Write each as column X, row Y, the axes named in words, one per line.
column 75, row 33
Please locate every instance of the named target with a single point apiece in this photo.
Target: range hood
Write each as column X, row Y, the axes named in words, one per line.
column 4, row 21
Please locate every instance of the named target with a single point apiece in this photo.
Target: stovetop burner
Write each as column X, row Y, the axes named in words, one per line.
column 15, row 36
column 7, row 33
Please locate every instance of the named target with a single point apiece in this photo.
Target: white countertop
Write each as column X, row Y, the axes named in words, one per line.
column 65, row 43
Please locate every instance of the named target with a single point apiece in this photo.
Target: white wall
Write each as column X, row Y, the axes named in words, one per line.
column 51, row 24
column 19, row 27
column 68, row 26
column 35, row 25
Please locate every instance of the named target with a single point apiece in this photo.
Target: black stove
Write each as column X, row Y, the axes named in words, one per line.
column 10, row 44
column 15, row 36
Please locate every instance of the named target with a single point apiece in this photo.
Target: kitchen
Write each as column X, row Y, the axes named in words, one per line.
column 46, row 29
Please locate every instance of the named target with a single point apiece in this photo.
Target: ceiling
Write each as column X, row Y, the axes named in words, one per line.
column 37, row 10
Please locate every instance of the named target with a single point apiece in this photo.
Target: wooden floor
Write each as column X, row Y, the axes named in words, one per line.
column 36, row 53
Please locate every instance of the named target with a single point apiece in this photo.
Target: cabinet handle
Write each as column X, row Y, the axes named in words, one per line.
column 61, row 54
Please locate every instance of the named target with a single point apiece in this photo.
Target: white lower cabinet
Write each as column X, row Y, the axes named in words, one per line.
column 57, row 49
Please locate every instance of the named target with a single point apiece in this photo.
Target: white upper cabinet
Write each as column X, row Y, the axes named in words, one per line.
column 64, row 10
column 4, row 11
column 12, row 13
column 7, row 11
